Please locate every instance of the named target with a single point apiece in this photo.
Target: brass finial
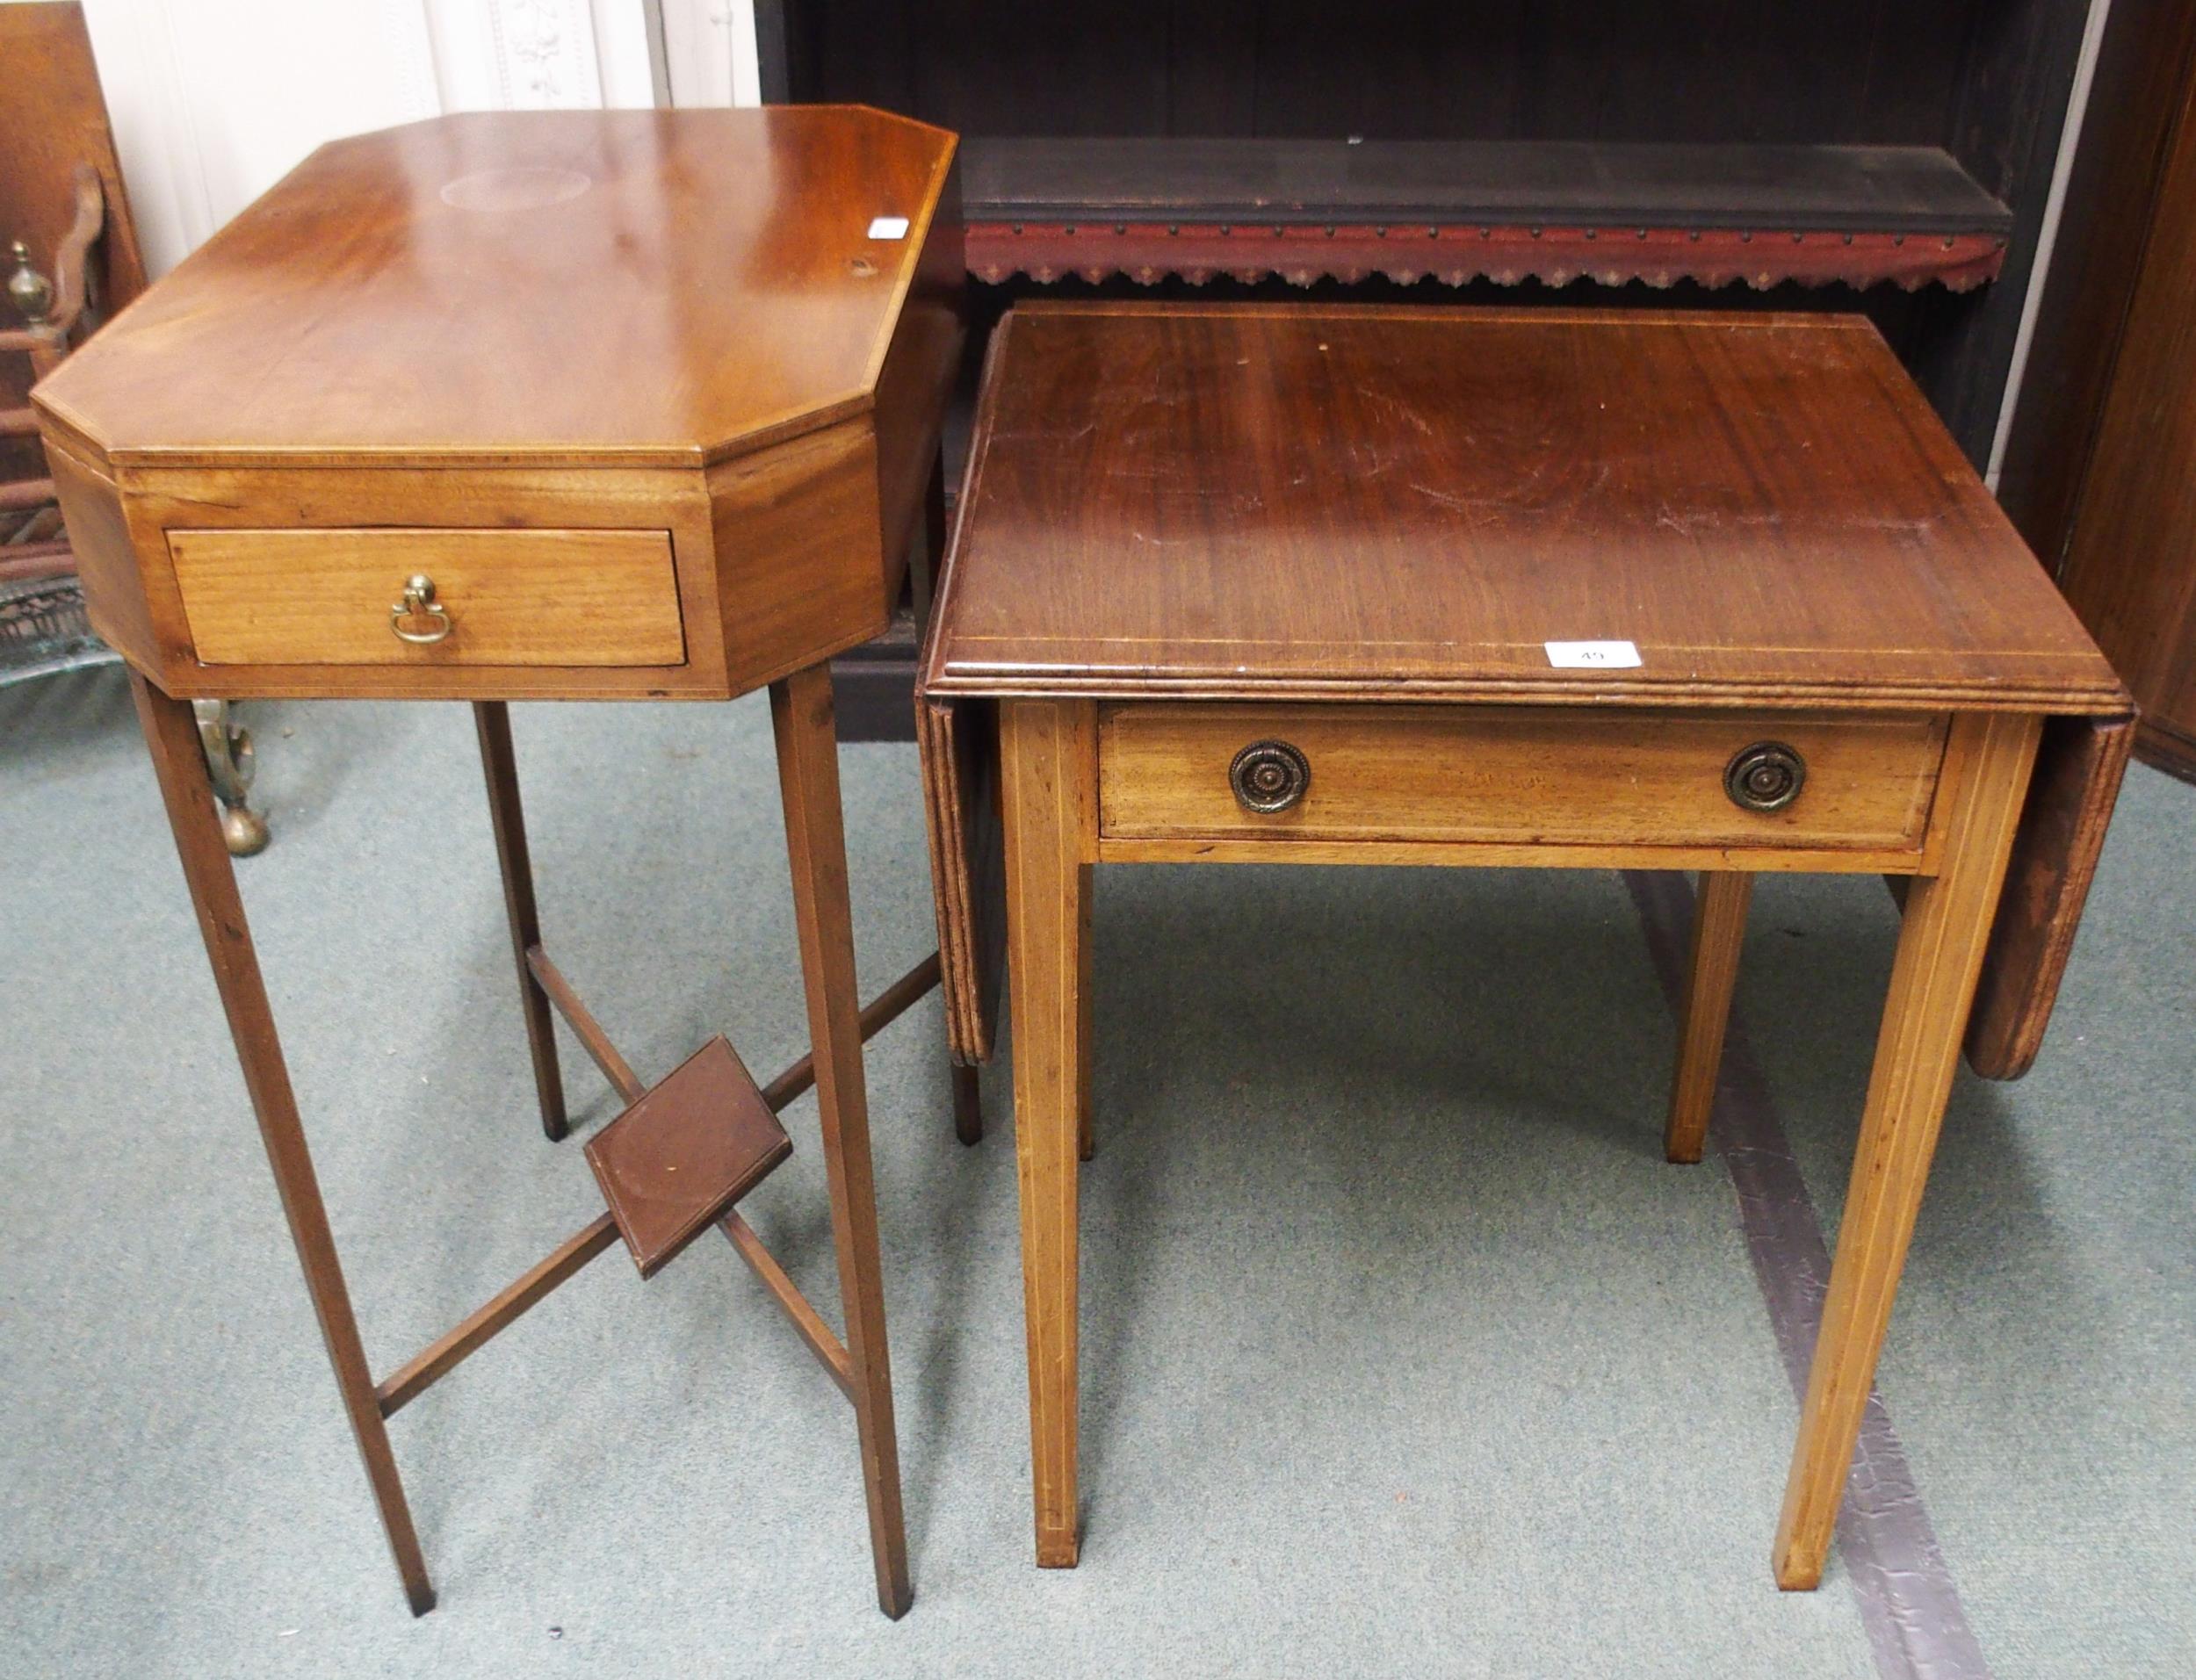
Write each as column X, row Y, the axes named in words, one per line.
column 31, row 291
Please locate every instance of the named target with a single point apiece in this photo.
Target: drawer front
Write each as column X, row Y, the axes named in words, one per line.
column 503, row 597
column 1544, row 775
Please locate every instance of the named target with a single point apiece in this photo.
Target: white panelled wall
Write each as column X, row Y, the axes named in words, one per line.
column 214, row 100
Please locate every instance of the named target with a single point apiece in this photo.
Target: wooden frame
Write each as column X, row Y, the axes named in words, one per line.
column 267, row 462
column 1050, row 764
column 1363, row 663
column 859, row 1366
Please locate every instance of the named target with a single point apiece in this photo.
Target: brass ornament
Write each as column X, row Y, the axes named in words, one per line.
column 1268, row 776
column 1766, row 776
column 30, row 292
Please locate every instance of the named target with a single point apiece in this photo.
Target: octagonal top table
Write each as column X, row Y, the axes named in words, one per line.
column 695, row 355
column 549, row 404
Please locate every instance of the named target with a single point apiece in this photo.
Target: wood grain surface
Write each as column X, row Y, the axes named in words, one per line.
column 2079, row 765
column 1354, row 532
column 675, row 1162
column 958, row 748
column 1048, row 786
column 649, row 288
column 1520, row 775
column 1719, row 937
column 1268, row 500
column 815, row 844
column 1942, row 940
column 323, row 597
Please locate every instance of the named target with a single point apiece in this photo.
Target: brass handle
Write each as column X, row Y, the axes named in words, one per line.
column 1268, row 776
column 419, row 602
column 1766, row 776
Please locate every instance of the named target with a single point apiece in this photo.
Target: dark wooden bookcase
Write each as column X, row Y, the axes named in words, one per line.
column 2098, row 462
column 1892, row 156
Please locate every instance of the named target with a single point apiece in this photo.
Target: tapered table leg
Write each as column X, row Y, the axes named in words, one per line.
column 1086, row 1126
column 492, row 720
column 968, row 1105
column 1048, row 794
column 1719, row 932
column 171, row 733
column 1942, row 940
column 808, row 777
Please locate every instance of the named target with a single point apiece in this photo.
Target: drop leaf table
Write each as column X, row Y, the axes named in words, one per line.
column 1317, row 585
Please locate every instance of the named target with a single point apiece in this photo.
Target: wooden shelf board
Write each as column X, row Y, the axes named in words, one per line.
column 1464, row 211
column 1836, row 189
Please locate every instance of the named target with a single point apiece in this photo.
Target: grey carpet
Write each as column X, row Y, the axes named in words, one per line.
column 1404, row 1352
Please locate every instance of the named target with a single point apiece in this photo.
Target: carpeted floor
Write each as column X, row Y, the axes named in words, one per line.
column 1404, row 1352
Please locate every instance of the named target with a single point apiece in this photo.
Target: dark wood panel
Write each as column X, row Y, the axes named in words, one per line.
column 1713, row 70
column 2006, row 127
column 2143, row 63
column 2079, row 765
column 875, row 689
column 2131, row 564
column 675, row 1162
column 1837, row 188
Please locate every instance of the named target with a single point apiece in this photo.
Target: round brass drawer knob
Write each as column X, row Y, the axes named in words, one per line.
column 1268, row 776
column 1766, row 776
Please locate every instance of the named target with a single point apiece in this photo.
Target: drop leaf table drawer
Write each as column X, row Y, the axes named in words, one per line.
column 497, row 597
column 1511, row 775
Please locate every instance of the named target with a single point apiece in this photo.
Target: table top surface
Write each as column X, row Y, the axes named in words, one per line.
column 1317, row 502
column 641, row 287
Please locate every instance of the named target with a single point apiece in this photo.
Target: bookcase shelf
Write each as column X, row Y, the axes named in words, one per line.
column 1506, row 210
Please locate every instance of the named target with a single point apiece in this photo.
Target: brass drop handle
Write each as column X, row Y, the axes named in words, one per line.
column 419, row 602
column 1766, row 776
column 1268, row 776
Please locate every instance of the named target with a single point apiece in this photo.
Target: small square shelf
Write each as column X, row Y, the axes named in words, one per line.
column 673, row 1164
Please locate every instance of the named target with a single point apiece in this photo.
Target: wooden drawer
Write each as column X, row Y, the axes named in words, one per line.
column 1537, row 777
column 508, row 597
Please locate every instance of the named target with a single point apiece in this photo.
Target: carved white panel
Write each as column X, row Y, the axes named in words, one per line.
column 545, row 53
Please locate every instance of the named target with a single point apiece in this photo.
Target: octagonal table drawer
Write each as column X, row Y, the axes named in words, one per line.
column 1553, row 775
column 415, row 596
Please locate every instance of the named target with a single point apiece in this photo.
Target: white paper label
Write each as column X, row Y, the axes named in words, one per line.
column 1592, row 656
column 889, row 227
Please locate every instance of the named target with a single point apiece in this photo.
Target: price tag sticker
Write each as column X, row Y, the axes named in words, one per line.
column 1592, row 656
column 888, row 227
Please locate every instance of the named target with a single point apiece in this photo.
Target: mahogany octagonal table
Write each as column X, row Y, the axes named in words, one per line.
column 542, row 406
